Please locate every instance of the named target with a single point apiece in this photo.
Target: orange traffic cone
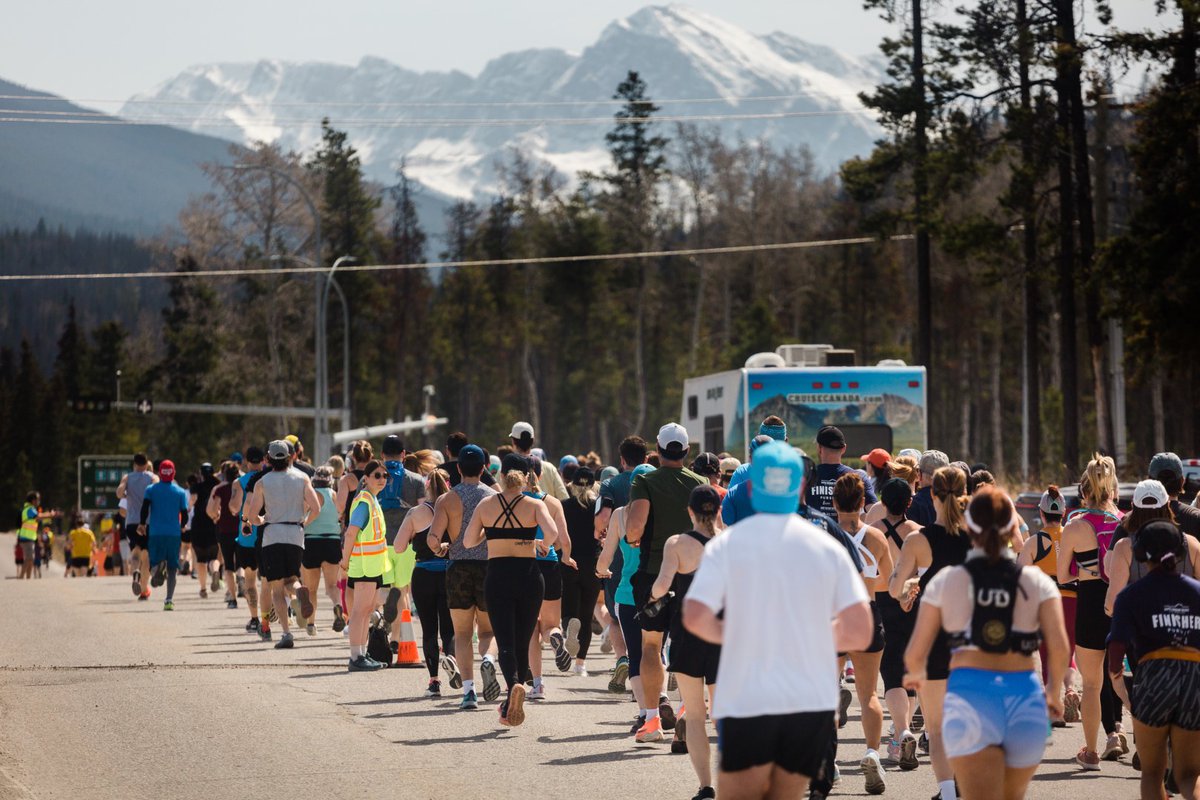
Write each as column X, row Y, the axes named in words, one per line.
column 407, row 654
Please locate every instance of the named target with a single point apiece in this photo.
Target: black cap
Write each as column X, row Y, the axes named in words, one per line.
column 206, row 468
column 514, row 462
column 583, row 477
column 393, row 445
column 896, row 492
column 831, row 436
column 707, row 464
column 254, row 454
column 705, row 500
column 1159, row 538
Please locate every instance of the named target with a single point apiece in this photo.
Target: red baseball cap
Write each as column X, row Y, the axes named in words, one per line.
column 877, row 458
column 166, row 469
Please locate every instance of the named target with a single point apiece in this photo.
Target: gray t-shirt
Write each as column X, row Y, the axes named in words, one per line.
column 471, row 495
column 283, row 494
column 136, row 484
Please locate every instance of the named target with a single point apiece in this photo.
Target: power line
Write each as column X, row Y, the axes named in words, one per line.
column 436, row 104
column 88, row 118
column 495, row 262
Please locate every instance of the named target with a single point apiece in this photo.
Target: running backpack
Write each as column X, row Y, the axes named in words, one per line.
column 1105, row 524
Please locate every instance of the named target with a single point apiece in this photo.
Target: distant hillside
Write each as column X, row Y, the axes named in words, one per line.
column 72, row 172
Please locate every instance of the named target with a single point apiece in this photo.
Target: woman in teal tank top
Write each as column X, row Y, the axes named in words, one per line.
column 323, row 551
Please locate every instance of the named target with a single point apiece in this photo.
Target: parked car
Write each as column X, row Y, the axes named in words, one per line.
column 1027, row 502
column 1191, row 480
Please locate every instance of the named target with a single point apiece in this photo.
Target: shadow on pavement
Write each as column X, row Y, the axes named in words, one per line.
column 479, row 737
column 605, row 758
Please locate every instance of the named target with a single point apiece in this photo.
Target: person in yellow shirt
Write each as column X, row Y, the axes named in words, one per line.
column 83, row 542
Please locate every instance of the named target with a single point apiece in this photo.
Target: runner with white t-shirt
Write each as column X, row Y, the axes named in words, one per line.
column 775, row 706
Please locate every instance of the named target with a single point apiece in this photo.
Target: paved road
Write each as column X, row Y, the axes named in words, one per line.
column 102, row 696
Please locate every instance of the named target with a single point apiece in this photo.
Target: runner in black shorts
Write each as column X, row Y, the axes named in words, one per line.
column 549, row 626
column 323, row 552
column 466, row 574
column 896, row 495
column 226, row 524
column 849, row 497
column 693, row 661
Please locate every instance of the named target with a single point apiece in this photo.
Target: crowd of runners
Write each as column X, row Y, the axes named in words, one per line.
column 760, row 597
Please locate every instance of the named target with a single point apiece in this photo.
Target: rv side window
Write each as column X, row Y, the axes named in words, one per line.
column 714, row 434
column 693, row 406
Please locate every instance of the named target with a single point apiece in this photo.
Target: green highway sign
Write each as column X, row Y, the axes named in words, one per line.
column 99, row 477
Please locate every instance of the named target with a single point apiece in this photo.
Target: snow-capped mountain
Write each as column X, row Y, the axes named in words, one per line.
column 452, row 129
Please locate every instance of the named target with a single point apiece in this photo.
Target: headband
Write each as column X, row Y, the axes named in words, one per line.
column 975, row 527
column 774, row 431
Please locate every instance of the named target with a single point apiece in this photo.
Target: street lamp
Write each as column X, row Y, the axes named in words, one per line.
column 321, row 444
column 323, row 346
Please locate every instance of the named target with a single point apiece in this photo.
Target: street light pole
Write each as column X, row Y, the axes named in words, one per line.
column 323, row 348
column 320, row 436
column 345, row 338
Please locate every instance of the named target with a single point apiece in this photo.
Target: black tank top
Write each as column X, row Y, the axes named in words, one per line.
column 683, row 580
column 507, row 526
column 420, row 540
column 582, row 529
column 948, row 551
column 357, row 473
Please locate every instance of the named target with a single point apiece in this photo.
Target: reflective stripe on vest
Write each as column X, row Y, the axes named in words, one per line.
column 29, row 527
column 368, row 558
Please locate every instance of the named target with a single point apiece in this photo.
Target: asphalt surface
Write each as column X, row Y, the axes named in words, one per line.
column 103, row 696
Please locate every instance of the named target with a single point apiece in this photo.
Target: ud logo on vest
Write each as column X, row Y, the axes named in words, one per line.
column 993, row 597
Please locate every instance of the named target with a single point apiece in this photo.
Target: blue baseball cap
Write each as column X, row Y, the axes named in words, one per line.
column 642, row 469
column 562, row 462
column 236, row 457
column 472, row 456
column 776, row 473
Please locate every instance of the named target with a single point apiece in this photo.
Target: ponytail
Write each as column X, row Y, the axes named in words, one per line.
column 989, row 519
column 950, row 487
column 1098, row 486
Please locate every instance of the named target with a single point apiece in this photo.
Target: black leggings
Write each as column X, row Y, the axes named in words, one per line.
column 581, row 587
column 1110, row 705
column 514, row 589
column 429, row 596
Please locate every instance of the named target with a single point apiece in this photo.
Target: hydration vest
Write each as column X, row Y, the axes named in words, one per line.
column 1105, row 525
column 995, row 588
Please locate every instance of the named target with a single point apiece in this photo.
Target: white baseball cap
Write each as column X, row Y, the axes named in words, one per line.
column 520, row 429
column 1150, row 494
column 673, row 434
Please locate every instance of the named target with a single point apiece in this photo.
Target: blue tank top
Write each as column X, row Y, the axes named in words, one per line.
column 553, row 554
column 242, row 539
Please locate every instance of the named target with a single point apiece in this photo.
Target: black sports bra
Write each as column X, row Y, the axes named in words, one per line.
column 507, row 526
column 891, row 533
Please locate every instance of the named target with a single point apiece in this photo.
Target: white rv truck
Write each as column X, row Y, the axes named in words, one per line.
column 809, row 386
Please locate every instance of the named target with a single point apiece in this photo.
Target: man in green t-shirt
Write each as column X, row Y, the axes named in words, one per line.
column 658, row 510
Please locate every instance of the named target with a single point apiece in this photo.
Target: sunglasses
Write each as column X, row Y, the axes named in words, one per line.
column 379, row 476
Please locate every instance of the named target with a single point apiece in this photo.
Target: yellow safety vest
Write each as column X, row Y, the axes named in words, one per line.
column 368, row 559
column 29, row 527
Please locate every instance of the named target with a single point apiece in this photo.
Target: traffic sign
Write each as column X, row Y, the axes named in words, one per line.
column 144, row 406
column 98, row 478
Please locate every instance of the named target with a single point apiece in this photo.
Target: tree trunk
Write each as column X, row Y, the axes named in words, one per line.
column 920, row 189
column 996, row 460
column 1066, row 261
column 1032, row 389
column 639, row 367
column 1156, row 406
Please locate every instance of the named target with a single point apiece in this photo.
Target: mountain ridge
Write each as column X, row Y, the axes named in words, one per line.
column 452, row 129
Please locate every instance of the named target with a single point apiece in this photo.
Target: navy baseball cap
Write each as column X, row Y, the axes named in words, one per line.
column 472, row 456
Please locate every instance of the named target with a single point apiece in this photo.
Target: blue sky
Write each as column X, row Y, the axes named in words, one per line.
column 110, row 50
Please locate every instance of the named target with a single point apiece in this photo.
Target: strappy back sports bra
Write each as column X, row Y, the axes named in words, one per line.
column 870, row 562
column 895, row 537
column 507, row 527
